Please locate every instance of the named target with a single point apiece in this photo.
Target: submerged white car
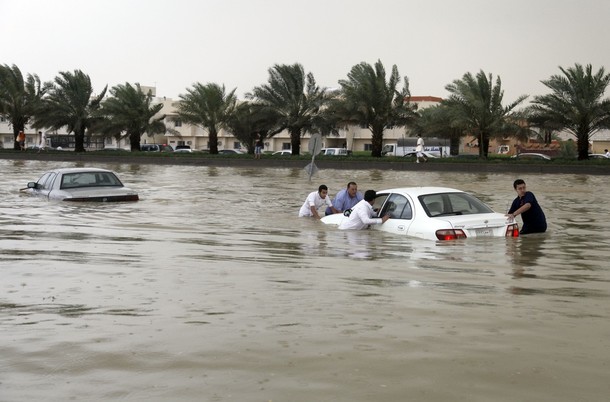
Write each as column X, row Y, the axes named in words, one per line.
column 81, row 184
column 436, row 213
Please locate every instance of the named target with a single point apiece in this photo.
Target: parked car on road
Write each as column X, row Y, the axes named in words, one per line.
column 156, row 148
column 414, row 155
column 111, row 149
column 230, row 151
column 81, row 184
column 436, row 213
column 284, row 152
column 531, row 155
column 598, row 156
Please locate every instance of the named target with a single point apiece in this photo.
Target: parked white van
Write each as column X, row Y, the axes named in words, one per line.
column 334, row 151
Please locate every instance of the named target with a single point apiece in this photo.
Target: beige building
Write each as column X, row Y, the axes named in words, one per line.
column 353, row 138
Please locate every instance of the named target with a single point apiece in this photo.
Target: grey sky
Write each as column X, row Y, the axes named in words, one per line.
column 175, row 43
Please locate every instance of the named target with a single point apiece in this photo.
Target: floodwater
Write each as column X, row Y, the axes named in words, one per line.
column 211, row 289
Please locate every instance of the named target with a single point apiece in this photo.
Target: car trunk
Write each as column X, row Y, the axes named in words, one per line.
column 102, row 195
column 480, row 225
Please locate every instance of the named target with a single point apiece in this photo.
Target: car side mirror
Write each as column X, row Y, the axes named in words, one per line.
column 32, row 184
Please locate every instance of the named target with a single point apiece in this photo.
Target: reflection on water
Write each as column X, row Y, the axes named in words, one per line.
column 210, row 288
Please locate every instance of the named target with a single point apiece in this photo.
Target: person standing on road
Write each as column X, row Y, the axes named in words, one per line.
column 21, row 140
column 315, row 201
column 258, row 147
column 526, row 205
column 43, row 141
column 362, row 214
column 419, row 149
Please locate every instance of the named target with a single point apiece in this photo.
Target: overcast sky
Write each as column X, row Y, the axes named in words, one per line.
column 173, row 44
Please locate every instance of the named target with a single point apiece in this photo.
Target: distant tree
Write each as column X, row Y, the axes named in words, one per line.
column 209, row 107
column 250, row 121
column 18, row 97
column 129, row 112
column 475, row 104
column 70, row 103
column 294, row 98
column 576, row 104
column 372, row 101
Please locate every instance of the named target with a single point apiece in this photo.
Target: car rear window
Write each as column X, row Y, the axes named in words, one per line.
column 453, row 204
column 89, row 179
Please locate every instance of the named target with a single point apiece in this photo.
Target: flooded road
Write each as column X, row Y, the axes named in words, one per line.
column 211, row 289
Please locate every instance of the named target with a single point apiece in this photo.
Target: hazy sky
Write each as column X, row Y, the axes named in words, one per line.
column 174, row 43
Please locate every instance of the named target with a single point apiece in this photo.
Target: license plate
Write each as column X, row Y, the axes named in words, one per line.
column 484, row 232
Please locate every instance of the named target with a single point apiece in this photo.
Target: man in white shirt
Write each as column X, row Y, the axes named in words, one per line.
column 43, row 141
column 607, row 153
column 420, row 149
column 315, row 201
column 362, row 214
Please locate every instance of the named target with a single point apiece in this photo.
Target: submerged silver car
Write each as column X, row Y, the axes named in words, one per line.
column 81, row 184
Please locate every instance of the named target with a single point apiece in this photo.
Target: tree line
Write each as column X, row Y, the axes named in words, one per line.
column 291, row 100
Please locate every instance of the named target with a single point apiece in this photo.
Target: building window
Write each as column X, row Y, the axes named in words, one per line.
column 368, row 147
column 236, row 145
column 286, row 146
column 177, row 123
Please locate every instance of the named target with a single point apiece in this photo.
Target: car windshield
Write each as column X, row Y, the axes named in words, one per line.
column 452, row 204
column 89, row 179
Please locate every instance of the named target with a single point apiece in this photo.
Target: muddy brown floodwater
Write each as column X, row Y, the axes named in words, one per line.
column 211, row 289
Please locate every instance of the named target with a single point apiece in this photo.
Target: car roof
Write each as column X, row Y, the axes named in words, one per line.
column 79, row 170
column 532, row 154
column 417, row 191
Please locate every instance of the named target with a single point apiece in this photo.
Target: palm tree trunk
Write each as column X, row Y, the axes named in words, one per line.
column 213, row 140
column 134, row 141
column 484, row 145
column 79, row 140
column 295, row 140
column 583, row 146
column 376, row 141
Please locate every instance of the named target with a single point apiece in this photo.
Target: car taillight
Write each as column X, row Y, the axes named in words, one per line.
column 450, row 234
column 512, row 230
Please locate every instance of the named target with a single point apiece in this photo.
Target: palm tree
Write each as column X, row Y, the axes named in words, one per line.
column 370, row 100
column 294, row 97
column 575, row 104
column 19, row 97
column 209, row 107
column 130, row 111
column 70, row 103
column 251, row 121
column 476, row 106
